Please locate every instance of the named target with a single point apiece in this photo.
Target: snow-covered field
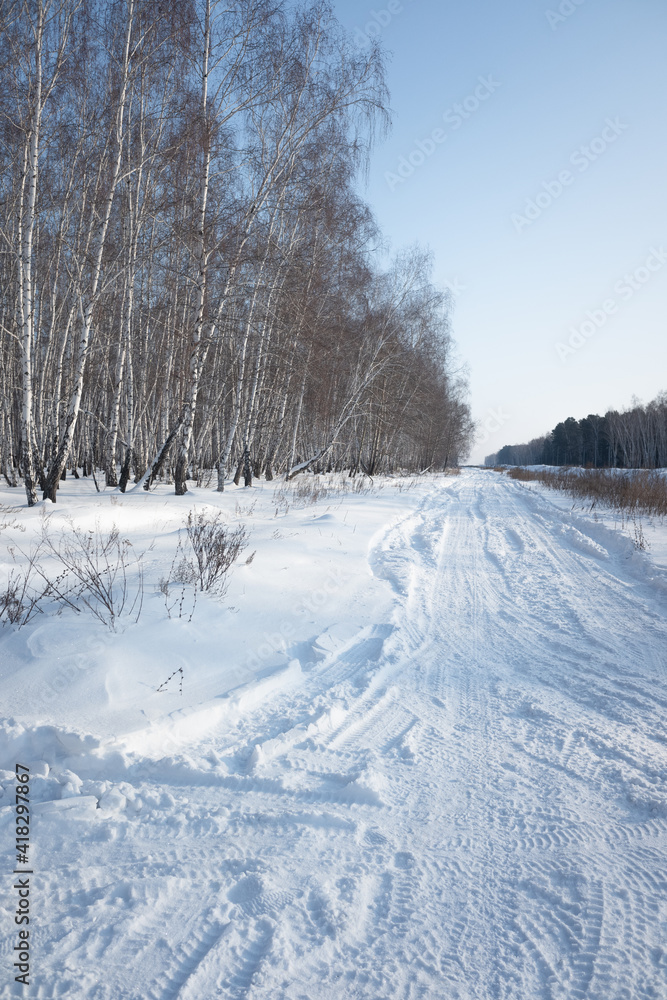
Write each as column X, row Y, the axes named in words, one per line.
column 420, row 751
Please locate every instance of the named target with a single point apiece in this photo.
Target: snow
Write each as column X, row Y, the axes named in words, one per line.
column 420, row 751
column 649, row 531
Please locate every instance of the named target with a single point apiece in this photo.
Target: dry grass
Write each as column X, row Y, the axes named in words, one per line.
column 632, row 491
column 310, row 489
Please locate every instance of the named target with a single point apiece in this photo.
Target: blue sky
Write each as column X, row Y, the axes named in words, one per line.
column 541, row 197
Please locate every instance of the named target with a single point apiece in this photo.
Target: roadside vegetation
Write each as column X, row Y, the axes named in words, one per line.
column 99, row 572
column 629, row 492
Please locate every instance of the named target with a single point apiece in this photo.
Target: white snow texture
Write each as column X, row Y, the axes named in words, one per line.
column 421, row 751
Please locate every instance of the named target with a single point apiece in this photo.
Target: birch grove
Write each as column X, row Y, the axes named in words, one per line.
column 188, row 281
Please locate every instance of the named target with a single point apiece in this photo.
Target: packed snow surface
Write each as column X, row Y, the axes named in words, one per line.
column 420, row 751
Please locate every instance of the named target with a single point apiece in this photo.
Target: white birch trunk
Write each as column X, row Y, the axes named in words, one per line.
column 86, row 310
column 197, row 356
column 26, row 233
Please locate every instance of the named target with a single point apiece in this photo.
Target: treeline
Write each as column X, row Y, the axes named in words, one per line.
column 631, row 439
column 187, row 272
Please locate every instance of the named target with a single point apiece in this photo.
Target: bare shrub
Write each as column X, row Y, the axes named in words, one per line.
column 27, row 589
column 100, row 572
column 11, row 605
column 215, row 547
column 20, row 601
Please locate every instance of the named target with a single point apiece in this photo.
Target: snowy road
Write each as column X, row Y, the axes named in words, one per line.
column 467, row 799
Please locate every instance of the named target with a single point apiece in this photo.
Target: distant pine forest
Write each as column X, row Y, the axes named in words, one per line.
column 632, row 439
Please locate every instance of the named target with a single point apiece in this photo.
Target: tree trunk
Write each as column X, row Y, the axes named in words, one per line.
column 26, row 232
column 197, row 356
column 148, row 477
column 87, row 311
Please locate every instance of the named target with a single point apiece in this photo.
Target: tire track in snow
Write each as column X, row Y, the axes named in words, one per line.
column 179, row 982
column 513, row 588
column 239, row 984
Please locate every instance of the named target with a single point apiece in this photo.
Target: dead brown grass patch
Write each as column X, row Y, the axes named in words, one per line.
column 631, row 491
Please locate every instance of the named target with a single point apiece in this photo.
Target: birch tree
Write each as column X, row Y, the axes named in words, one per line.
column 187, row 274
column 36, row 37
